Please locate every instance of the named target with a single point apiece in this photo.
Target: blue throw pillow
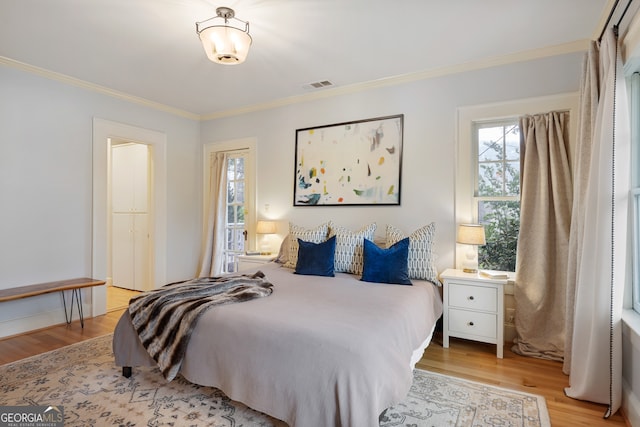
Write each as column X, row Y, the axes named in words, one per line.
column 316, row 259
column 386, row 265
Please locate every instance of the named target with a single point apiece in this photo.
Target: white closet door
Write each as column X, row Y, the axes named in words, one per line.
column 141, row 251
column 140, row 160
column 122, row 177
column 130, row 169
column 130, row 257
column 122, row 264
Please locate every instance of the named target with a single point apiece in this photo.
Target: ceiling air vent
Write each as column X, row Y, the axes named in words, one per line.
column 318, row 85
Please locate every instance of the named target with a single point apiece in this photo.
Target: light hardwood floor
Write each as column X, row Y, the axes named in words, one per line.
column 465, row 359
column 118, row 298
column 478, row 362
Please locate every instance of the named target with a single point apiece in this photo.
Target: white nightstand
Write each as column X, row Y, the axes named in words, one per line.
column 473, row 308
column 248, row 262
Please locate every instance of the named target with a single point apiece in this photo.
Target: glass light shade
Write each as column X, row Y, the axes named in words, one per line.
column 266, row 227
column 224, row 44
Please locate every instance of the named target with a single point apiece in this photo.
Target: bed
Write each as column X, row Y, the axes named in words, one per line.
column 318, row 351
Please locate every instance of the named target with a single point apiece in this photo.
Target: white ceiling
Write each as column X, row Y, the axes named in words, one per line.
column 149, row 48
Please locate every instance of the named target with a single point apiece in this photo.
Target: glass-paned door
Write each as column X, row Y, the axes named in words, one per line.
column 235, row 223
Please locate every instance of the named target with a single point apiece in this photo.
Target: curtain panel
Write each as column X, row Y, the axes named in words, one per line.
column 212, row 258
column 543, row 240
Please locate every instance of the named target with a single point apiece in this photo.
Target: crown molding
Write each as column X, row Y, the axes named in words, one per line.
column 63, row 78
column 562, row 49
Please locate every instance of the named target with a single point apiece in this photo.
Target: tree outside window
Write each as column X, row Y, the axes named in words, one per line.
column 498, row 192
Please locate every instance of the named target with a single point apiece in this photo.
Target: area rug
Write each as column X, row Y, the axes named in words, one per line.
column 83, row 379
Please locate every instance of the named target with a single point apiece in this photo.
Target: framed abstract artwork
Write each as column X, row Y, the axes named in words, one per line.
column 347, row 164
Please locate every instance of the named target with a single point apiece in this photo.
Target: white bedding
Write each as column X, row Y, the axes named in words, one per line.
column 319, row 351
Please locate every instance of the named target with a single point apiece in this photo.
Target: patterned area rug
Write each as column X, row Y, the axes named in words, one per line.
column 84, row 380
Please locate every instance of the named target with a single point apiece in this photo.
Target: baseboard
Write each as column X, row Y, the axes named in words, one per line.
column 630, row 405
column 509, row 333
column 40, row 320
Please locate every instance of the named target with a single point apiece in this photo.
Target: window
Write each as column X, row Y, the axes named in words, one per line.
column 635, row 185
column 487, row 188
column 497, row 191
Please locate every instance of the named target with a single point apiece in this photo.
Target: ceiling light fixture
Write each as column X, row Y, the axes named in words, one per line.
column 224, row 43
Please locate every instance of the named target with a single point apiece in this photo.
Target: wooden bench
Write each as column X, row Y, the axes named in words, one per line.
column 73, row 285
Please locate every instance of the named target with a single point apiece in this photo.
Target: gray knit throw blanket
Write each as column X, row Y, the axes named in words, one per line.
column 165, row 318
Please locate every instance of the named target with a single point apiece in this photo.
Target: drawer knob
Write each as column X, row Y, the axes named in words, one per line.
column 470, row 323
column 470, row 298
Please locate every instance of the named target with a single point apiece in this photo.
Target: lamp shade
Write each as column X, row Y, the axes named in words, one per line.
column 471, row 234
column 266, row 227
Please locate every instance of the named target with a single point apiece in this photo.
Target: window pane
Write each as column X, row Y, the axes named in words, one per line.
column 231, row 170
column 501, row 221
column 239, row 215
column 229, row 243
column 231, row 217
column 240, row 168
column 512, row 142
column 239, row 239
column 230, row 192
column 231, row 263
column 490, row 143
column 490, row 180
column 512, row 178
column 240, row 192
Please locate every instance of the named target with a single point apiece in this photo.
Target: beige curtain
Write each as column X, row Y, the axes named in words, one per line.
column 545, row 219
column 600, row 260
column 212, row 258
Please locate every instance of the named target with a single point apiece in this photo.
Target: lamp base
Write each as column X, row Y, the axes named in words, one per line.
column 470, row 270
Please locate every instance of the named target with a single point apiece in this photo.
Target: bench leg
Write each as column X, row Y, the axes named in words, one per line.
column 76, row 295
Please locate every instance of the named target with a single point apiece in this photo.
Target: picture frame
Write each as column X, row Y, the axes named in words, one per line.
column 349, row 164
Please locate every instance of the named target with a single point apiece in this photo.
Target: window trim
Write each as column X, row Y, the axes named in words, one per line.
column 464, row 211
column 635, row 208
column 634, row 101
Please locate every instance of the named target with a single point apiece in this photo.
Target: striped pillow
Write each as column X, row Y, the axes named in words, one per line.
column 350, row 247
column 314, row 235
column 421, row 257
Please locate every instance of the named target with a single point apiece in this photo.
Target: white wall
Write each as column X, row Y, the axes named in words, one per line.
column 45, row 132
column 430, row 125
column 46, row 188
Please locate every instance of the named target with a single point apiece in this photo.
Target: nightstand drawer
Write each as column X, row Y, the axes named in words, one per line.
column 472, row 323
column 473, row 297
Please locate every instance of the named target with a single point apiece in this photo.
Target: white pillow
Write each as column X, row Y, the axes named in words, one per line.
column 350, row 247
column 314, row 235
column 421, row 257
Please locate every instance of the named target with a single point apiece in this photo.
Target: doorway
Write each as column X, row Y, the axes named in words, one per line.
column 104, row 132
column 131, row 214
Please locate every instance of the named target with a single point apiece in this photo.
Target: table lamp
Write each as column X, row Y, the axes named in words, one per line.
column 264, row 228
column 471, row 235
